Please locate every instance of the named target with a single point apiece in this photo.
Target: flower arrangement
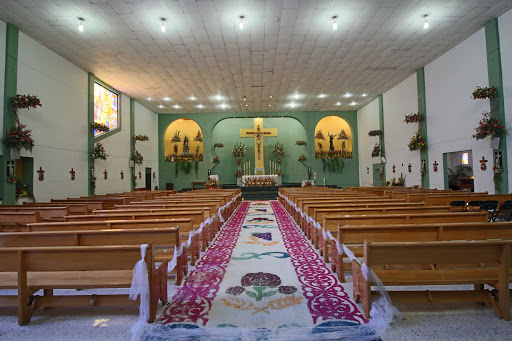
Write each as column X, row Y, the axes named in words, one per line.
column 239, row 161
column 342, row 135
column 497, row 169
column 239, row 173
column 239, row 150
column 100, row 127
column 488, row 126
column 141, row 138
column 183, row 158
column 12, row 179
column 176, row 137
column 93, row 181
column 199, row 137
column 212, row 184
column 375, row 133
column 308, row 184
column 413, row 118
column 137, row 157
column 336, row 154
column 303, row 157
column 319, row 135
column 483, row 93
column 376, row 150
column 394, row 182
column 218, row 145
column 25, row 102
column 19, row 137
column 417, row 142
column 260, row 182
column 278, row 149
column 300, row 143
column 99, row 152
column 216, row 159
column 22, row 190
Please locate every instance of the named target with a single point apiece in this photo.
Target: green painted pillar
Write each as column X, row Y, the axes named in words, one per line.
column 422, row 109
column 132, row 143
column 10, row 89
column 90, row 136
column 382, row 145
column 494, row 72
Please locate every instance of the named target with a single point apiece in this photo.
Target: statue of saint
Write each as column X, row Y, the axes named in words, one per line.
column 185, row 146
column 331, row 143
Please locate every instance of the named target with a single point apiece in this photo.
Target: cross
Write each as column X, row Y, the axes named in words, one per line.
column 72, row 172
column 423, row 164
column 483, row 166
column 409, row 166
column 122, row 175
column 140, row 175
column 105, row 174
column 41, row 173
column 394, row 167
column 258, row 133
column 435, row 166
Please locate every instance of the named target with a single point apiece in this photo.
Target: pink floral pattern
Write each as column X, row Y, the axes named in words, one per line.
column 327, row 300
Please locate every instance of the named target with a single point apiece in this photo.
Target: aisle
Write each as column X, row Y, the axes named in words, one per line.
column 260, row 280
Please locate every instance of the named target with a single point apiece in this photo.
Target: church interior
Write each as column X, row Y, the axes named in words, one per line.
column 255, row 170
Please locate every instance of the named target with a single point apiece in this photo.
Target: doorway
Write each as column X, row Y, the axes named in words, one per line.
column 148, row 179
column 376, row 174
column 459, row 170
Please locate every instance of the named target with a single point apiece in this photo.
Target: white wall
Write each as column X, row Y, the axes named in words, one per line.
column 146, row 123
column 400, row 101
column 505, row 28
column 367, row 119
column 59, row 127
column 3, row 28
column 452, row 114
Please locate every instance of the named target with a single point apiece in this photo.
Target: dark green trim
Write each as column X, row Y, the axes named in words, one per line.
column 422, row 109
column 382, row 144
column 132, row 144
column 119, row 116
column 90, row 135
column 494, row 72
column 445, row 171
column 10, row 90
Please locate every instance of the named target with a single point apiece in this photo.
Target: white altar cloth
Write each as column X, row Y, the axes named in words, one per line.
column 244, row 178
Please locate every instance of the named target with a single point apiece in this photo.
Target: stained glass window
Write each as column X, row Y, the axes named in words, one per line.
column 106, row 108
column 465, row 158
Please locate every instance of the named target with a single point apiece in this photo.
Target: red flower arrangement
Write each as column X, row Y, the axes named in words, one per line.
column 19, row 137
column 302, row 157
column 239, row 173
column 483, row 93
column 319, row 135
column 487, row 126
column 412, row 118
column 260, row 182
column 199, row 137
column 342, row 135
column 375, row 133
column 216, row 159
column 212, row 184
column 376, row 150
column 25, row 102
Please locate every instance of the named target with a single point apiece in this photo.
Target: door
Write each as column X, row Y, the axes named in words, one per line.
column 148, row 179
column 376, row 174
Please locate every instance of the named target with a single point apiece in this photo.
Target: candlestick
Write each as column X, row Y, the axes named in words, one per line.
column 324, row 182
column 249, row 167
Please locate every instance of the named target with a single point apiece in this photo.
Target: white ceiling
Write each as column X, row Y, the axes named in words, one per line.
column 287, row 47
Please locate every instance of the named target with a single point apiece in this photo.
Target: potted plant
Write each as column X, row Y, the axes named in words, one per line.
column 19, row 138
column 488, row 126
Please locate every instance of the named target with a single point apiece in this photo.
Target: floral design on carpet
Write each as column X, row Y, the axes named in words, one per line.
column 254, row 255
column 260, row 237
column 270, row 225
column 327, row 300
column 263, row 285
column 260, row 220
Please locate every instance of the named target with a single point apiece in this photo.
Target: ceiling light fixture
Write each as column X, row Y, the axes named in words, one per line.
column 192, row 98
column 245, row 98
column 200, row 106
column 218, row 97
column 338, row 103
column 270, row 105
column 364, row 95
column 270, row 96
column 322, row 95
column 162, row 28
column 149, row 99
column 292, row 104
column 176, row 106
column 247, row 105
column 241, row 25
column 161, row 106
column 223, row 105
column 80, row 24
column 347, row 95
column 334, row 24
column 166, row 99
column 426, row 25
column 353, row 103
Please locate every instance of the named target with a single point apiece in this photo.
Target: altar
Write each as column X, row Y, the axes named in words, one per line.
column 242, row 180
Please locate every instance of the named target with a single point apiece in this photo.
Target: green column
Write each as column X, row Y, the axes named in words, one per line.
column 132, row 144
column 494, row 72
column 10, row 89
column 422, row 109
column 382, row 145
column 90, row 135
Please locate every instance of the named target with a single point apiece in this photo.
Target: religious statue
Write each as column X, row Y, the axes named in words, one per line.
column 185, row 146
column 331, row 143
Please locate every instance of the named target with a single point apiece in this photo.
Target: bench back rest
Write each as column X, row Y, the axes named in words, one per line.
column 185, row 225
column 320, row 213
column 198, row 216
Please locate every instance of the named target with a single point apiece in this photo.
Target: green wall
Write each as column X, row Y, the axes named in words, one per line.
column 225, row 128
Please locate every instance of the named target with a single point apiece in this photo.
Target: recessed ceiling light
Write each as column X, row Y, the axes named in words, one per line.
column 270, row 96
column 292, row 105
column 162, row 28
column 192, row 98
column 353, row 103
column 166, row 99
column 347, row 95
column 161, row 106
column 364, row 95
column 80, row 24
column 149, row 99
column 338, row 103
column 245, row 98
column 200, row 106
column 426, row 25
column 218, row 97
column 296, row 96
column 241, row 25
column 322, row 95
column 247, row 105
column 334, row 24
column 270, row 105
column 176, row 106
column 223, row 105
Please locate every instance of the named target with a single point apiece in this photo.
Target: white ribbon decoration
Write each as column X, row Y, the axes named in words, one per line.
column 219, row 212
column 330, row 236
column 140, row 287
column 317, row 225
column 174, row 261
column 324, row 235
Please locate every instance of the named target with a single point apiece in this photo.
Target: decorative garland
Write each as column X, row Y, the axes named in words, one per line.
column 303, row 157
column 137, row 157
column 142, row 138
column 99, row 152
column 100, row 127
column 417, row 141
column 300, row 143
column 199, row 137
column 319, row 135
column 372, row 133
column 488, row 126
column 483, row 93
column 342, row 135
column 376, row 150
column 19, row 137
column 239, row 150
column 413, row 118
column 176, row 137
column 278, row 149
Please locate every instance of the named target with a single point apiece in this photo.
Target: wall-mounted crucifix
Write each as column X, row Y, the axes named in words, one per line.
column 483, row 165
column 105, row 174
column 41, row 173
column 258, row 133
column 409, row 167
column 140, row 175
column 122, row 175
column 435, row 166
column 394, row 168
column 72, row 172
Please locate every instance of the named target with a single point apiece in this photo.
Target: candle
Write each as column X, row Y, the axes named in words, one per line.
column 270, row 166
column 244, row 168
column 249, row 167
column 324, row 182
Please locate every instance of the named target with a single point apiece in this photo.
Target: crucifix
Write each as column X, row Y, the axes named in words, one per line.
column 435, row 166
column 41, row 173
column 105, row 174
column 72, row 172
column 258, row 133
column 394, row 168
column 483, row 165
column 122, row 175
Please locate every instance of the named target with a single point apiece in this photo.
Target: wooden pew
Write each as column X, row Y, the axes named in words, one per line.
column 29, row 269
column 163, row 240
column 12, row 221
column 494, row 258
column 48, row 212
column 331, row 222
column 354, row 236
column 75, row 208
